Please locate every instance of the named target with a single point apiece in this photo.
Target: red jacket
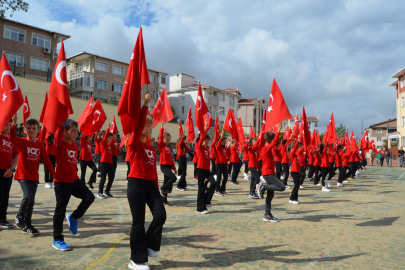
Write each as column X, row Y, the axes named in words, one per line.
column 50, row 148
column 221, row 153
column 294, row 159
column 165, row 152
column 325, row 157
column 85, row 153
column 203, row 154
column 253, row 155
column 7, row 152
column 234, row 153
column 268, row 164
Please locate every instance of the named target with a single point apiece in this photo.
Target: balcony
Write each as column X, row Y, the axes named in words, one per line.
column 211, row 100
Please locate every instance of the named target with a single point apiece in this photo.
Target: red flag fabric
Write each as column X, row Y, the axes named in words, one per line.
column 162, row 112
column 26, row 110
column 296, row 130
column 318, row 138
column 216, row 128
column 313, row 136
column 241, row 133
column 41, row 118
column 364, row 141
column 277, row 110
column 94, row 120
column 123, row 141
column 157, row 112
column 129, row 107
column 43, row 134
column 181, row 132
column 332, row 131
column 231, row 125
column 251, row 134
column 353, row 143
column 59, row 107
column 86, row 110
column 190, row 126
column 373, row 147
column 113, row 128
column 304, row 129
column 264, row 122
column 12, row 98
column 200, row 110
column 287, row 133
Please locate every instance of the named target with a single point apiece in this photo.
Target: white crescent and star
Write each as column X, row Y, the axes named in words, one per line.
column 230, row 123
column 58, row 70
column 26, row 106
column 199, row 99
column 269, row 109
column 272, row 99
column 99, row 113
column 112, row 126
column 4, row 96
column 9, row 73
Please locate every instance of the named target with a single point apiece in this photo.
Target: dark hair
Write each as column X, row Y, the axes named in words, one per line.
column 251, row 141
column 340, row 147
column 283, row 142
column 166, row 134
column 269, row 136
column 300, row 144
column 32, row 122
column 50, row 138
column 290, row 147
column 110, row 134
column 69, row 123
column 218, row 139
column 207, row 137
column 198, row 138
column 321, row 147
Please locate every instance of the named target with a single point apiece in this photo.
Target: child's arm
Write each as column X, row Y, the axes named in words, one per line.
column 133, row 141
column 45, row 160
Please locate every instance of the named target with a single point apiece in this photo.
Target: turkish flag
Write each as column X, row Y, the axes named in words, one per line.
column 304, row 129
column 332, row 134
column 313, row 136
column 129, row 107
column 181, row 132
column 113, row 128
column 365, row 141
column 286, row 133
column 200, row 110
column 296, row 130
column 241, row 133
column 94, row 120
column 162, row 112
column 59, row 107
column 318, row 138
column 373, row 146
column 157, row 112
column 251, row 134
column 44, row 132
column 12, row 98
column 26, row 111
column 353, row 143
column 231, row 125
column 190, row 126
column 264, row 122
column 277, row 110
column 123, row 141
column 86, row 111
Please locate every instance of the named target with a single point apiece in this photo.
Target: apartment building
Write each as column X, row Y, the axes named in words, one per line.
column 183, row 92
column 312, row 123
column 382, row 131
column 93, row 75
column 399, row 86
column 251, row 111
column 31, row 51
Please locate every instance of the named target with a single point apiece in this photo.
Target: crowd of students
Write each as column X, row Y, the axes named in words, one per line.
column 269, row 160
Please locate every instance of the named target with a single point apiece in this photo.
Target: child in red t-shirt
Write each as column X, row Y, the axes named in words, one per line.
column 86, row 160
column 106, row 165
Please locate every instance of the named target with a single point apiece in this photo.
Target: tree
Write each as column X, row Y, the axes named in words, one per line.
column 12, row 5
column 226, row 134
column 176, row 118
column 341, row 131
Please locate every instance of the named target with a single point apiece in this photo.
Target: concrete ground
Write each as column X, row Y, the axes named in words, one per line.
column 359, row 226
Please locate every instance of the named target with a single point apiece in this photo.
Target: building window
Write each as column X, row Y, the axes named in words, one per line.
column 222, row 97
column 101, row 66
column 86, row 79
column 118, row 70
column 379, row 130
column 209, row 108
column 14, row 34
column 86, row 96
column 152, row 78
column 402, row 81
column 182, row 122
column 231, row 101
column 402, row 101
column 88, row 66
column 163, row 79
column 41, row 41
column 67, row 68
column 378, row 139
column 403, row 121
column 116, row 87
column 221, row 123
column 39, row 64
column 79, row 67
column 152, row 94
column 15, row 59
column 221, row 110
column 392, row 129
column 182, row 109
column 80, row 80
column 100, row 84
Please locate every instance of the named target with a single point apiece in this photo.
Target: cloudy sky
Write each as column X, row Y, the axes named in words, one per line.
column 330, row 56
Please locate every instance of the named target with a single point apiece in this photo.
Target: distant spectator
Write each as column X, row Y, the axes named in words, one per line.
column 387, row 155
column 401, row 154
column 382, row 153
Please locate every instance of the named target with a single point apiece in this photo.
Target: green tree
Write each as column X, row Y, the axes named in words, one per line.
column 12, row 5
column 176, row 118
column 341, row 131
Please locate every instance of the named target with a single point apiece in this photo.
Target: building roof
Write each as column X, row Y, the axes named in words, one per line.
column 53, row 32
column 384, row 122
column 312, row 118
column 394, row 83
column 399, row 73
column 246, row 100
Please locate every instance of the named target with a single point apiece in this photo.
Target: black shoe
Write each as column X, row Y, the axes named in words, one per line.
column 270, row 218
column 166, row 203
column 31, row 230
column 163, row 193
column 90, row 184
column 6, row 225
column 254, row 196
column 108, row 195
column 19, row 221
column 260, row 191
column 234, row 183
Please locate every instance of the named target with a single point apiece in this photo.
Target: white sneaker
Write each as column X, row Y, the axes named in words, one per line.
column 52, row 185
column 340, row 185
column 318, row 184
column 282, row 177
column 245, row 175
column 287, row 187
column 178, row 177
column 215, row 177
column 327, row 182
column 229, row 176
column 325, row 189
column 262, row 179
column 47, row 185
column 180, row 189
column 294, row 202
column 152, row 253
column 136, row 266
column 357, row 173
column 115, row 179
column 301, row 187
column 99, row 174
column 203, row 212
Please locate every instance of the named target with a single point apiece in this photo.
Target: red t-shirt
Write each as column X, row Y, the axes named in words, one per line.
column 115, row 146
column 310, row 158
column 253, row 155
column 234, row 153
column 221, row 154
column 50, row 148
column 85, row 153
column 294, row 159
column 195, row 158
column 143, row 157
column 66, row 157
column 362, row 155
column 339, row 162
column 203, row 154
column 165, row 152
column 332, row 156
column 7, row 152
column 268, row 164
column 325, row 158
column 181, row 149
column 98, row 150
column 301, row 157
column 317, row 159
column 106, row 150
column 283, row 152
column 345, row 159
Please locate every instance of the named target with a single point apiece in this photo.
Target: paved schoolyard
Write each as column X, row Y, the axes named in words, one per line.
column 359, row 226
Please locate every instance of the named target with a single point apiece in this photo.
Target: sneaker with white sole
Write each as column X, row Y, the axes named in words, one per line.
column 6, row 225
column 318, row 184
column 178, row 177
column 327, row 182
column 152, row 253
column 108, row 195
column 52, row 185
column 138, row 266
column 339, row 184
column 325, row 189
column 294, row 202
column 217, row 193
column 30, row 230
column 287, row 187
column 301, row 187
column 203, row 212
column 60, row 245
column 215, row 177
column 48, row 185
column 19, row 222
column 101, row 196
column 270, row 218
column 260, row 189
column 180, row 189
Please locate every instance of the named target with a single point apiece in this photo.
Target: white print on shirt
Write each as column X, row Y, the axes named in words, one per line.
column 89, row 147
column 207, row 153
column 109, row 149
column 72, row 156
column 168, row 150
column 33, row 154
column 151, row 157
column 7, row 147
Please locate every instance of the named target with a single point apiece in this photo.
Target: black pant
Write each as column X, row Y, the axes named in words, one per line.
column 195, row 170
column 128, row 168
column 364, row 163
column 183, row 171
column 115, row 163
column 140, row 193
column 48, row 177
column 348, row 174
column 352, row 166
column 317, row 174
column 324, row 173
column 332, row 170
column 235, row 171
column 278, row 169
column 273, row 184
column 310, row 171
column 29, row 189
column 213, row 168
column 203, row 197
column 254, row 179
column 222, row 171
column 302, row 175
column 286, row 171
column 63, row 192
column 294, row 193
column 98, row 159
column 342, row 174
column 106, row 169
column 83, row 166
column 229, row 166
column 168, row 179
column 246, row 162
column 5, row 186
